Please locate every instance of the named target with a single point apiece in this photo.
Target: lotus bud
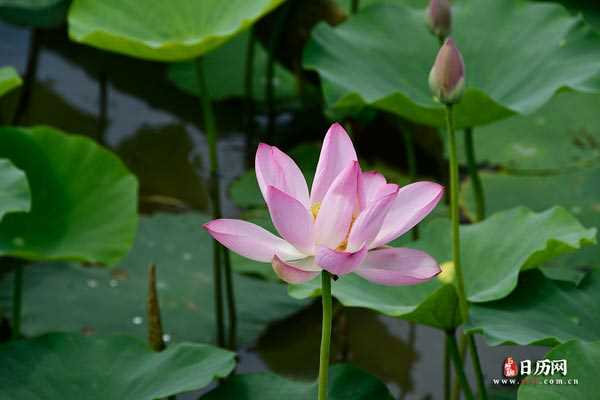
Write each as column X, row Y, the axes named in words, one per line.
column 439, row 18
column 447, row 77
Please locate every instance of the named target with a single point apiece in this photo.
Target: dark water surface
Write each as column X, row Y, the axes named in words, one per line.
column 153, row 127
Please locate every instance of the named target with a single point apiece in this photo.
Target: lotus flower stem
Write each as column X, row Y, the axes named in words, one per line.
column 458, row 364
column 210, row 128
column 474, row 174
column 249, row 92
column 231, row 309
column 325, row 334
column 17, row 302
column 355, row 6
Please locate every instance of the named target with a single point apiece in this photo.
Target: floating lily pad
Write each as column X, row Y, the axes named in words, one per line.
column 70, row 366
column 382, row 57
column 542, row 312
column 345, row 383
column 9, row 79
column 583, row 362
column 493, row 251
column 163, row 31
column 14, row 189
column 105, row 302
column 578, row 192
column 225, row 69
column 563, row 134
column 34, row 13
column 83, row 199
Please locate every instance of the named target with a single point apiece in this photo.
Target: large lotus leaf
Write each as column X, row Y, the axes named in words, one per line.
column 97, row 300
column 34, row 13
column 578, row 192
column 225, row 71
column 9, row 79
column 382, row 57
column 83, row 199
column 583, row 363
column 72, row 367
column 14, row 189
column 163, row 31
column 541, row 311
column 345, row 383
column 493, row 251
column 563, row 134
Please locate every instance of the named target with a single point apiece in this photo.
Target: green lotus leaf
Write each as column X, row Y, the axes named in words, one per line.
column 564, row 134
column 182, row 253
column 577, row 191
column 14, row 189
column 34, row 13
column 493, row 251
column 541, row 311
column 382, row 57
column 71, row 366
column 163, row 31
column 345, row 383
column 83, row 199
column 225, row 69
column 583, row 362
column 9, row 79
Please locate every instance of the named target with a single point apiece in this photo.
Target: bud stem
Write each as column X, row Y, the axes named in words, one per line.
column 460, row 283
column 474, row 175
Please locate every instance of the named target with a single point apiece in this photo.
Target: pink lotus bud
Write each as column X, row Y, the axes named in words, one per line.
column 439, row 18
column 447, row 77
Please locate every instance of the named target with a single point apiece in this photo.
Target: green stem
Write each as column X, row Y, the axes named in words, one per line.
column 455, row 215
column 355, row 6
column 210, row 127
column 231, row 308
column 477, row 367
column 462, row 350
column 17, row 302
column 458, row 364
column 410, row 153
column 102, row 105
column 474, row 175
column 249, row 93
column 447, row 371
column 30, row 76
column 325, row 334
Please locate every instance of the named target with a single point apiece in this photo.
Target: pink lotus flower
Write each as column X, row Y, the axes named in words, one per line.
column 342, row 226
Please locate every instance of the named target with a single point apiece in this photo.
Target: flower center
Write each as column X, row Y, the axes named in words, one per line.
column 314, row 209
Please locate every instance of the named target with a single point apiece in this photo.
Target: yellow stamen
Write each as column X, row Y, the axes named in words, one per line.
column 314, row 209
column 447, row 274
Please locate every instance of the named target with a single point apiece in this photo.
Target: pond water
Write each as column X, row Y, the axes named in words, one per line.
column 154, row 128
